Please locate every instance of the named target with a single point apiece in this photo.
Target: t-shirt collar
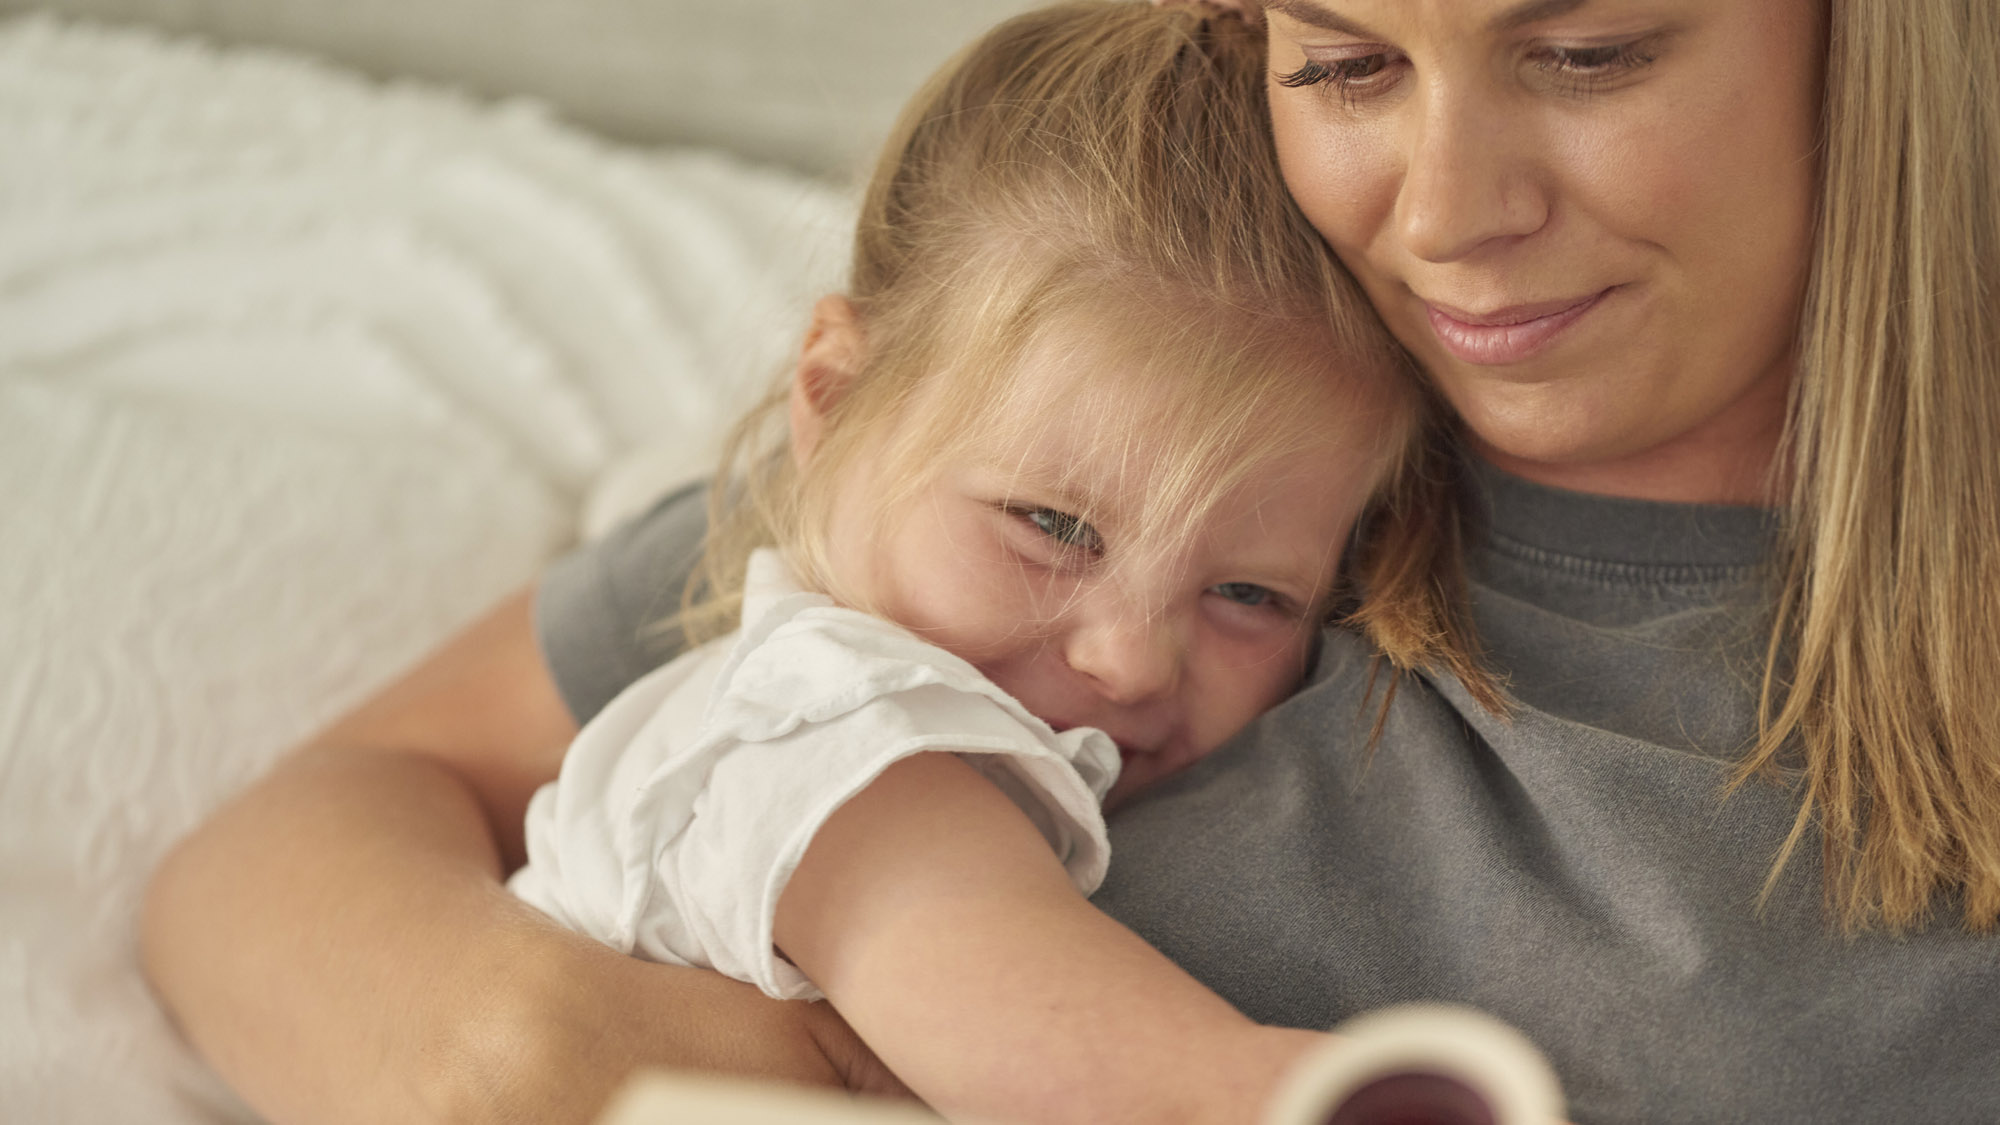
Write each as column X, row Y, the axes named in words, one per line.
column 1614, row 528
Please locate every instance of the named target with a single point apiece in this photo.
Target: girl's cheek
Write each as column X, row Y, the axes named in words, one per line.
column 1256, row 635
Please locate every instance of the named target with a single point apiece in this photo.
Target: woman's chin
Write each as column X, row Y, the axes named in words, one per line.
column 1532, row 431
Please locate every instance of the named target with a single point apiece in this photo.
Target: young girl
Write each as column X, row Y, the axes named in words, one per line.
column 1057, row 505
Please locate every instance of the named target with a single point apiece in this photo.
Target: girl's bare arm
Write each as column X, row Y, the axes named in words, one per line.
column 936, row 919
column 337, row 940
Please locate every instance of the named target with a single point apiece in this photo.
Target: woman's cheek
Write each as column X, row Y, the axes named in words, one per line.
column 1342, row 171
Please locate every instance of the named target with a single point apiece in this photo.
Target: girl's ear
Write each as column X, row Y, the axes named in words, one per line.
column 828, row 362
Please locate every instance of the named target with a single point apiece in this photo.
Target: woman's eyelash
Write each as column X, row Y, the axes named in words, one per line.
column 1348, row 77
column 1581, row 68
column 1585, row 67
column 1340, row 73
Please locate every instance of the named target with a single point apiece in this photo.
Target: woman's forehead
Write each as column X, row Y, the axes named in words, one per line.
column 1388, row 19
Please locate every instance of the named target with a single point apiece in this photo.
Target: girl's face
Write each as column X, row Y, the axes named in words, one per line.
column 1169, row 656
column 1589, row 219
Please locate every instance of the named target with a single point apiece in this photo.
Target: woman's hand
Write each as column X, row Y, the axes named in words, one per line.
column 555, row 1038
column 338, row 943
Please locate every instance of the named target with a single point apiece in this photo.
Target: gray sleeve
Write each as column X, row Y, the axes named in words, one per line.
column 597, row 609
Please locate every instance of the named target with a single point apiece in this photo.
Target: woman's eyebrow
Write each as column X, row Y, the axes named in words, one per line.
column 1308, row 12
column 1534, row 11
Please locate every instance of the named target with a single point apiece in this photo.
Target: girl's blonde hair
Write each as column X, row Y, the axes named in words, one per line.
column 1882, row 681
column 1098, row 179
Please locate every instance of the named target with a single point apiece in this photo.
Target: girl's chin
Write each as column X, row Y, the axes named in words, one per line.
column 1127, row 787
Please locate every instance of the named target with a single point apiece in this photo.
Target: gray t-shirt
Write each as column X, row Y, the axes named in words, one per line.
column 1573, row 867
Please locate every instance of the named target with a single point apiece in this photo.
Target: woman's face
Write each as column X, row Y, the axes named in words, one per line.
column 1590, row 219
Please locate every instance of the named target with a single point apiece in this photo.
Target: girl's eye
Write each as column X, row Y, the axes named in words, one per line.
column 1065, row 529
column 1244, row 593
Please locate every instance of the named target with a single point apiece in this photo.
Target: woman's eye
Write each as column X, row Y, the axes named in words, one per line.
column 1345, row 75
column 1584, row 68
column 1244, row 593
column 1590, row 58
column 1065, row 529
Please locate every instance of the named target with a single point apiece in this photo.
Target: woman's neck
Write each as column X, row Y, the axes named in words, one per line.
column 1711, row 477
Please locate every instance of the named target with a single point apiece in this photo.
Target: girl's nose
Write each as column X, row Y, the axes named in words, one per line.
column 1129, row 659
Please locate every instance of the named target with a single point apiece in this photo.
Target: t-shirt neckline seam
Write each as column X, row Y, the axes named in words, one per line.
column 1620, row 572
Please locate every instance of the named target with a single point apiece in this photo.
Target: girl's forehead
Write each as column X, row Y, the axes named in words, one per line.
column 1069, row 427
column 1103, row 426
column 1152, row 408
column 1120, row 372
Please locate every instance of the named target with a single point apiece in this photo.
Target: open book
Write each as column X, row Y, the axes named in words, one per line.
column 1416, row 1065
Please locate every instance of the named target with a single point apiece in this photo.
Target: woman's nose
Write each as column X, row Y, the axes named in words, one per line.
column 1127, row 659
column 1467, row 180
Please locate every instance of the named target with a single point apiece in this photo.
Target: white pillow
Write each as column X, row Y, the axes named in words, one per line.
column 297, row 374
column 809, row 83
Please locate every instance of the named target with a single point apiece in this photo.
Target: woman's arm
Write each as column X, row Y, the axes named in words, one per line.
column 338, row 943
column 935, row 917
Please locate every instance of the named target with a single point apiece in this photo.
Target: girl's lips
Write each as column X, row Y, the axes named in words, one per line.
column 1126, row 750
column 1508, row 335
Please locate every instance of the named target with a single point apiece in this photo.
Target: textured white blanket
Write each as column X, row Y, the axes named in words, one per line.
column 297, row 373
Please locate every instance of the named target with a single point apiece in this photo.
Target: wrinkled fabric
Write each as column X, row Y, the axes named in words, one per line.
column 684, row 807
column 1576, row 867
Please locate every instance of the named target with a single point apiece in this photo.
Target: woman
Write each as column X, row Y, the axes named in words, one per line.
column 1703, row 279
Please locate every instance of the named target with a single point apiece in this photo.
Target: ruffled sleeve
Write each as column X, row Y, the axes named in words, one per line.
column 812, row 703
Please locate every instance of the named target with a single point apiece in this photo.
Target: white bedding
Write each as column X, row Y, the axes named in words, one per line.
column 298, row 373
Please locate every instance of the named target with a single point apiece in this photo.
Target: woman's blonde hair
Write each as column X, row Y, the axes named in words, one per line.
column 1882, row 683
column 1099, row 179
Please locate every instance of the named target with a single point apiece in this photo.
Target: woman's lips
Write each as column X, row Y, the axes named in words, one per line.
column 1508, row 335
